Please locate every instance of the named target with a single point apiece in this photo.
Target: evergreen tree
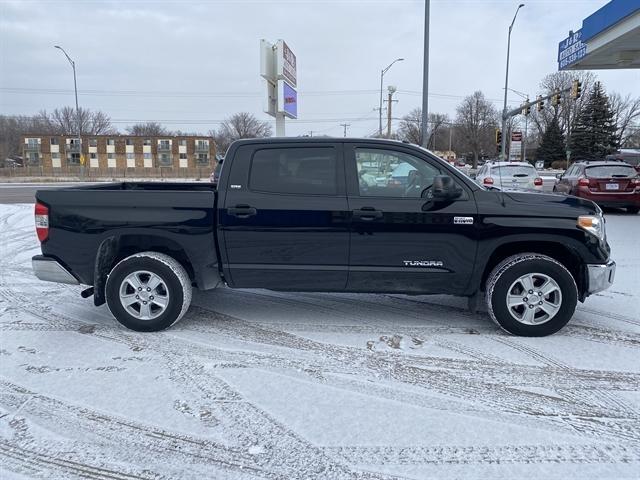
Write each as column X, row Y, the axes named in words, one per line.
column 552, row 147
column 594, row 133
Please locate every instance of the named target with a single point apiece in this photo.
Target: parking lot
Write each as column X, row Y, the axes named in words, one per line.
column 259, row 384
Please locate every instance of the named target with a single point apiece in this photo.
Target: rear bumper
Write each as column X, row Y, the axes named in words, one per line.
column 49, row 270
column 622, row 199
column 600, row 276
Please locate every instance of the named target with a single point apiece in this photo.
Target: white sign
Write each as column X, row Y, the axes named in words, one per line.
column 286, row 64
column 515, row 152
column 267, row 61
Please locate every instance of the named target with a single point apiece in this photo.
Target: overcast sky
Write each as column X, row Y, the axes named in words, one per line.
column 190, row 64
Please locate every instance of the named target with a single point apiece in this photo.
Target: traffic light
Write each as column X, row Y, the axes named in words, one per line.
column 576, row 89
column 498, row 138
column 555, row 100
column 540, row 103
column 527, row 108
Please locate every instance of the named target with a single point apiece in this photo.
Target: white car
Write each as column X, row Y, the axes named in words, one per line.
column 509, row 175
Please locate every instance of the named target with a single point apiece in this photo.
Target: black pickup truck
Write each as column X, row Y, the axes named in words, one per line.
column 327, row 215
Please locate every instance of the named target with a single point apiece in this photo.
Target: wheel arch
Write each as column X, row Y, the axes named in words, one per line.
column 560, row 252
column 115, row 248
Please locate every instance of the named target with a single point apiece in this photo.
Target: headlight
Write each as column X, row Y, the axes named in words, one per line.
column 594, row 224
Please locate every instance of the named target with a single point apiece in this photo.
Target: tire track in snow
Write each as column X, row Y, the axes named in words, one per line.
column 509, row 454
column 43, row 465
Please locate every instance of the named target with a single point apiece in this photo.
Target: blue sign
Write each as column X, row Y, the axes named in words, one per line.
column 289, row 101
column 570, row 50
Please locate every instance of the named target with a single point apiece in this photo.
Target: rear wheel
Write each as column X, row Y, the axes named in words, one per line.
column 148, row 291
column 633, row 210
column 531, row 295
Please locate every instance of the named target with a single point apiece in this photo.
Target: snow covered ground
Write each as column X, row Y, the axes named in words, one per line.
column 257, row 384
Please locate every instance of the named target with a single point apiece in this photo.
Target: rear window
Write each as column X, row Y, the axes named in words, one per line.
column 295, row 171
column 511, row 170
column 608, row 171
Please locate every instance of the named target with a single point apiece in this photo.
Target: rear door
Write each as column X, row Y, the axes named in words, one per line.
column 284, row 220
column 564, row 184
column 400, row 241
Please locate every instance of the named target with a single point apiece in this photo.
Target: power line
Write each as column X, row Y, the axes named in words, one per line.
column 205, row 94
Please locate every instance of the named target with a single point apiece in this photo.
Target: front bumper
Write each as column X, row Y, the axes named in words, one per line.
column 49, row 270
column 600, row 276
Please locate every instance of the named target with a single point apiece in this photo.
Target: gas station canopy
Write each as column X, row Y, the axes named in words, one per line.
column 609, row 38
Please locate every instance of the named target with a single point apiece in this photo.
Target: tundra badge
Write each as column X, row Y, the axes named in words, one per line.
column 463, row 220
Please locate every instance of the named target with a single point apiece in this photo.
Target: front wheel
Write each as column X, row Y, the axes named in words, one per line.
column 633, row 210
column 148, row 291
column 531, row 295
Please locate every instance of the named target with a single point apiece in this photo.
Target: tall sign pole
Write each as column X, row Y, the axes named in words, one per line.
column 278, row 67
column 425, row 78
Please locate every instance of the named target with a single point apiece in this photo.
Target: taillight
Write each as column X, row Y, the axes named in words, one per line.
column 42, row 221
column 537, row 181
column 488, row 181
column 583, row 182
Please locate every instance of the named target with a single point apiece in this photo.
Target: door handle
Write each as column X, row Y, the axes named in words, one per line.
column 242, row 211
column 367, row 214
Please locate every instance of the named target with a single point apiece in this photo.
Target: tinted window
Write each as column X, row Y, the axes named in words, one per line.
column 386, row 173
column 311, row 170
column 608, row 171
column 572, row 172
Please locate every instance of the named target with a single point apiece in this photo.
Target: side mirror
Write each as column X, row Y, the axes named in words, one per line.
column 445, row 188
column 558, row 176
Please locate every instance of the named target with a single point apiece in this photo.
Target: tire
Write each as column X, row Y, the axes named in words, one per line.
column 148, row 291
column 545, row 315
column 633, row 210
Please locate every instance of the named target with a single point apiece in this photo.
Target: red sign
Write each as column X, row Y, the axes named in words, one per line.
column 516, row 136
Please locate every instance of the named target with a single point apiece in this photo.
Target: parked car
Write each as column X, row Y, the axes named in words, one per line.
column 509, row 175
column 215, row 175
column 293, row 215
column 608, row 183
column 632, row 157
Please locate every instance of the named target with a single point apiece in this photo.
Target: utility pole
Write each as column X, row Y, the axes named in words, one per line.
column 390, row 101
column 382, row 72
column 345, row 125
column 503, row 148
column 425, row 78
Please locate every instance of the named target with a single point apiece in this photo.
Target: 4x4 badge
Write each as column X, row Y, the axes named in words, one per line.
column 463, row 220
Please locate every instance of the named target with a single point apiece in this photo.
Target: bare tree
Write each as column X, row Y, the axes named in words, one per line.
column 626, row 112
column 239, row 125
column 151, row 129
column 477, row 119
column 410, row 127
column 64, row 121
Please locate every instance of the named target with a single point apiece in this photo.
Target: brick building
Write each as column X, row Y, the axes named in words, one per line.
column 103, row 152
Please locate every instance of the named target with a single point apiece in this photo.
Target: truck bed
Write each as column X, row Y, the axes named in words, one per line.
column 172, row 217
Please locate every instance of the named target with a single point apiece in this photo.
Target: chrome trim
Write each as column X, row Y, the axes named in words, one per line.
column 600, row 276
column 49, row 270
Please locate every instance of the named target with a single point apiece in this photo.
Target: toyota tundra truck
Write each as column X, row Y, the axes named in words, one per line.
column 325, row 215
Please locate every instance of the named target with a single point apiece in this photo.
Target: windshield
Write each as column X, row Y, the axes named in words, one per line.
column 512, row 170
column 609, row 171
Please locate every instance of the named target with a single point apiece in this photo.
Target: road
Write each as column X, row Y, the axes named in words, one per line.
column 25, row 192
column 255, row 384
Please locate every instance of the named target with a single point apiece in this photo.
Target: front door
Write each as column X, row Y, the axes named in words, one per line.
column 284, row 218
column 401, row 240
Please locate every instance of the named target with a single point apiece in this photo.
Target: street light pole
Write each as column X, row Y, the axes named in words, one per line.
column 75, row 88
column 425, row 78
column 503, row 148
column 382, row 72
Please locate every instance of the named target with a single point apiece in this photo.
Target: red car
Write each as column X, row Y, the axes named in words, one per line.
column 607, row 183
